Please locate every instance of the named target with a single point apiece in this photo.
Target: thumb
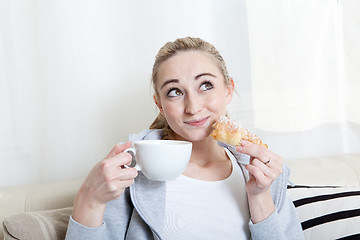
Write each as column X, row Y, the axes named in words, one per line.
column 118, row 148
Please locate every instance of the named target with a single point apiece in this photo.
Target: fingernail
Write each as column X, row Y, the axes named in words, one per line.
column 244, row 143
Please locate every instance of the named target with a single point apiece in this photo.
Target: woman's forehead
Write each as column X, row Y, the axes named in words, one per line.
column 188, row 63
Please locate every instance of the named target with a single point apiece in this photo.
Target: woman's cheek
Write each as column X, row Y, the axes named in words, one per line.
column 172, row 112
column 216, row 106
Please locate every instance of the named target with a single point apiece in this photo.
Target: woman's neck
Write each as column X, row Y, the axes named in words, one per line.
column 205, row 151
column 208, row 161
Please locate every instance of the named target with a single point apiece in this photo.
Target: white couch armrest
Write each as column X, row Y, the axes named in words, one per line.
column 341, row 170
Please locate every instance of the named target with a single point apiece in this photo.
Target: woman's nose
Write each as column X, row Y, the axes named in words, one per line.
column 192, row 104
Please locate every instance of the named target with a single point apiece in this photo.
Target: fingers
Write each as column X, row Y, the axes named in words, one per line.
column 263, row 154
column 112, row 168
column 262, row 173
column 264, row 167
column 254, row 150
column 107, row 180
column 117, row 157
column 118, row 179
column 259, row 178
column 118, row 148
column 118, row 160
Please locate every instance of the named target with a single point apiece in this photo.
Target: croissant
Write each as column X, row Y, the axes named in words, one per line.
column 230, row 132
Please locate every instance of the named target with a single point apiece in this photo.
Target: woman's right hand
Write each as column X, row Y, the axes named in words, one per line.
column 105, row 182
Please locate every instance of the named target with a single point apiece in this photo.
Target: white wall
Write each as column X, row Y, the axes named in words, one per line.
column 75, row 75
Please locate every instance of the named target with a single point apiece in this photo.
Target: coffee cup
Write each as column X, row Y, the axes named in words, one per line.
column 161, row 160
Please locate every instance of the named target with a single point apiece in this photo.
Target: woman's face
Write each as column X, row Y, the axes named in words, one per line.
column 192, row 94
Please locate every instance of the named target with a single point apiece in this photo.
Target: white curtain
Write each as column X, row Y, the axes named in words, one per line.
column 305, row 74
column 297, row 65
column 351, row 36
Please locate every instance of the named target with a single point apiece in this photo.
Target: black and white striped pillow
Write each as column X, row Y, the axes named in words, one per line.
column 327, row 212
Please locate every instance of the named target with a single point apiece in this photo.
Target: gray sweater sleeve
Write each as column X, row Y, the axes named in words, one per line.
column 116, row 221
column 77, row 231
column 284, row 223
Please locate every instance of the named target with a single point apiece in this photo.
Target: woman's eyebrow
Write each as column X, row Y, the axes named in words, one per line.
column 204, row 74
column 169, row 81
column 177, row 80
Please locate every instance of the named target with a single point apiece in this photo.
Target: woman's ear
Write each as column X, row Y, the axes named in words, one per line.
column 230, row 90
column 158, row 104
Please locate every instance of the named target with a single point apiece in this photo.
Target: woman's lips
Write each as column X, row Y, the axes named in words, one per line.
column 197, row 122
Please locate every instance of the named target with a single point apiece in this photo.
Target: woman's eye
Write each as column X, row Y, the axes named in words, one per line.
column 206, row 86
column 174, row 93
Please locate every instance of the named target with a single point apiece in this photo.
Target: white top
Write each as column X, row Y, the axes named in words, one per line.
column 198, row 209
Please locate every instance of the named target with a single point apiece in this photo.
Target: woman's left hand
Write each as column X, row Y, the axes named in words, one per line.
column 264, row 167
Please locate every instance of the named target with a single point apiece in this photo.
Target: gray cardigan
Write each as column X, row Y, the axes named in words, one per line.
column 137, row 214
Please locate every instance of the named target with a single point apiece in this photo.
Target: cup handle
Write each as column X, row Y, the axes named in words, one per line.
column 133, row 154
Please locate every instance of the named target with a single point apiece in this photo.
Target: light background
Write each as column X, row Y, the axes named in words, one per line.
column 75, row 75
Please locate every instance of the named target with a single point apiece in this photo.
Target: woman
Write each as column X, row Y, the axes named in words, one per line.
column 222, row 194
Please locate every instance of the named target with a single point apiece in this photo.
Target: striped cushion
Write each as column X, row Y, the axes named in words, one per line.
column 41, row 225
column 328, row 212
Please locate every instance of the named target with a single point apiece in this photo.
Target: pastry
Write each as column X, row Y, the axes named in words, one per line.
column 230, row 132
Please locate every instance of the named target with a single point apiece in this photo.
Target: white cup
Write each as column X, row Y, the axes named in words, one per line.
column 161, row 160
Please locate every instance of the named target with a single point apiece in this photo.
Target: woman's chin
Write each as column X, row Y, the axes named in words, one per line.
column 195, row 136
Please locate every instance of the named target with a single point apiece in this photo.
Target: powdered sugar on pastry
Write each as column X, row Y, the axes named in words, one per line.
column 231, row 132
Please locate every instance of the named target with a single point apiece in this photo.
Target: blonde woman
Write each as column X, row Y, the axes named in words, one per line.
column 224, row 193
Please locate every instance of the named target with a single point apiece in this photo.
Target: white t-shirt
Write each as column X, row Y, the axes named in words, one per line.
column 198, row 209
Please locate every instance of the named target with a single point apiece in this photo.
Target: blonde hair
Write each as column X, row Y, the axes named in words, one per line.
column 171, row 49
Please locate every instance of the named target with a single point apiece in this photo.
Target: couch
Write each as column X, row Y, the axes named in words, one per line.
column 325, row 191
